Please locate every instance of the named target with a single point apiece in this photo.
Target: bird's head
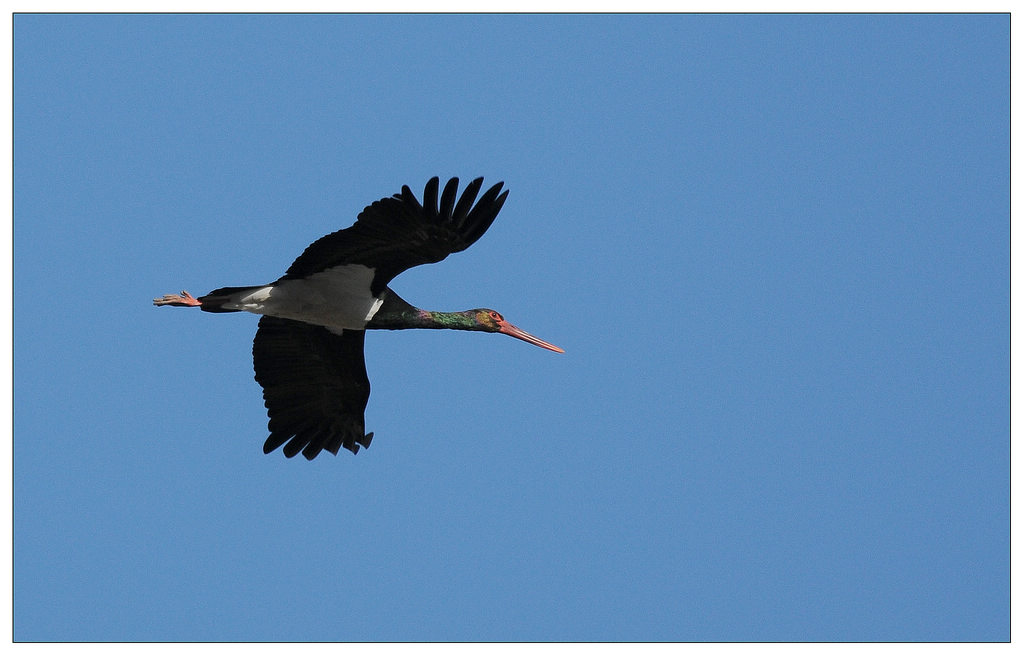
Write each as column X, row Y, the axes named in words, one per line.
column 492, row 322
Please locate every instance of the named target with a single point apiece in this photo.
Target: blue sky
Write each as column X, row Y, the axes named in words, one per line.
column 774, row 248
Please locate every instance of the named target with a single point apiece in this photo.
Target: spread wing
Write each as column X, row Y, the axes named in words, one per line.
column 314, row 385
column 397, row 233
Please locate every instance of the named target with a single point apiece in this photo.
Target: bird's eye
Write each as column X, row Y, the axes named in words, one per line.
column 495, row 316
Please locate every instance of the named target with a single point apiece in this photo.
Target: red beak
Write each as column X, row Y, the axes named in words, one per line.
column 518, row 333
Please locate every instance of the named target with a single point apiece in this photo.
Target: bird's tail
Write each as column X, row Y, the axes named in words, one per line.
column 216, row 300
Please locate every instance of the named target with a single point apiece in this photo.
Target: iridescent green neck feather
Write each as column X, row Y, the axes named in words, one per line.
column 417, row 318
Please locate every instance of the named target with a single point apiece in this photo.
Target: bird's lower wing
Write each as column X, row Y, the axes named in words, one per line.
column 314, row 385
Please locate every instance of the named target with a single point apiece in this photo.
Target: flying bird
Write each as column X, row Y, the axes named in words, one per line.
column 308, row 350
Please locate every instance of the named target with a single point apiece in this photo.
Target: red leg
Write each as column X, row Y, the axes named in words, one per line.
column 184, row 299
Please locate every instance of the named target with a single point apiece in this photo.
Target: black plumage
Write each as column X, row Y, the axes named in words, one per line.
column 314, row 385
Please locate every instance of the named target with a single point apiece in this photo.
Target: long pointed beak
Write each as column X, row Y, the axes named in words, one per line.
column 519, row 333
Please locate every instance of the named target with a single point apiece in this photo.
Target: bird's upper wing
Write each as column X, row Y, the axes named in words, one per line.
column 397, row 233
column 314, row 385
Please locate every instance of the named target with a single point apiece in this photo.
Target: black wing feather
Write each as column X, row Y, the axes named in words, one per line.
column 483, row 215
column 466, row 202
column 447, row 205
column 397, row 233
column 429, row 197
column 314, row 385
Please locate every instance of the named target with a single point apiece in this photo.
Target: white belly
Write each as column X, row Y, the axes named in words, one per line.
column 338, row 298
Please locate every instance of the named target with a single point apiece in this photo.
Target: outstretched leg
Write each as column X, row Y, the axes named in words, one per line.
column 184, row 299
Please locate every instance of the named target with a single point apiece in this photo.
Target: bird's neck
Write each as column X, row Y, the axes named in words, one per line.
column 417, row 318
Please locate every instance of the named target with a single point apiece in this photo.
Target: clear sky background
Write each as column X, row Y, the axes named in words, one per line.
column 774, row 248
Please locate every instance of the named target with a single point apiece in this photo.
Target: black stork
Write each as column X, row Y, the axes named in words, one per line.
column 308, row 350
